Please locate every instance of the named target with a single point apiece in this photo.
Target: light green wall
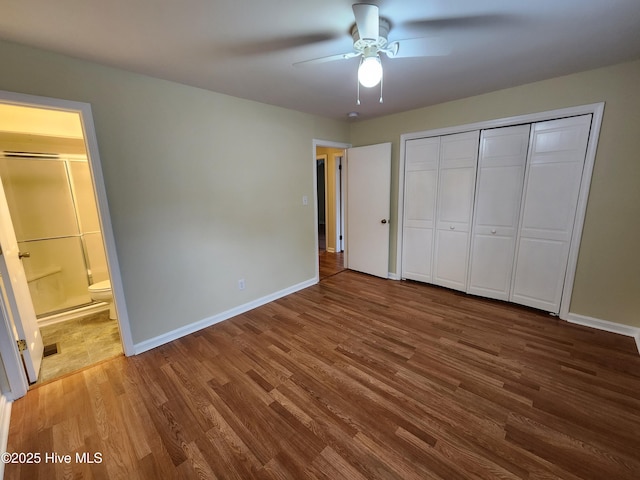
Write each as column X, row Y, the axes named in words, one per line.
column 203, row 188
column 607, row 284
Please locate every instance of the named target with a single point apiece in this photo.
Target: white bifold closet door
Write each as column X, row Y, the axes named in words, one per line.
column 500, row 179
column 456, row 186
column 422, row 157
column 550, row 198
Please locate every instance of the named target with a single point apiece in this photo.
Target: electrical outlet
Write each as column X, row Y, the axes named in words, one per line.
column 241, row 284
column 305, row 200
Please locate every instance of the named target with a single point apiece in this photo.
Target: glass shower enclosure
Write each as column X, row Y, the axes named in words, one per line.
column 55, row 219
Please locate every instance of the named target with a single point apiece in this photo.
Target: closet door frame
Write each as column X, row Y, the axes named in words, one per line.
column 595, row 109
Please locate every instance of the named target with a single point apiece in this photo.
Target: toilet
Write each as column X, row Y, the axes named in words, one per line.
column 101, row 292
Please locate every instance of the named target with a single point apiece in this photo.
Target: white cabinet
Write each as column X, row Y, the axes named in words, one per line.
column 505, row 233
column 552, row 186
column 438, row 202
column 456, row 185
column 501, row 166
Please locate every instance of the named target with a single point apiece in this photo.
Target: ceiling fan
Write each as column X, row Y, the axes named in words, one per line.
column 370, row 41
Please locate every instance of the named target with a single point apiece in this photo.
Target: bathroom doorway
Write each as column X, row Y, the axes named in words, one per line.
column 47, row 183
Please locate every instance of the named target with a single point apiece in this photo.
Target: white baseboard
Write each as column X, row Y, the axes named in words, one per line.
column 393, row 276
column 207, row 322
column 5, row 420
column 605, row 325
column 141, row 347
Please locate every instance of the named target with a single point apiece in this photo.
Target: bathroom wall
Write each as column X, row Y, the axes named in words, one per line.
column 36, row 122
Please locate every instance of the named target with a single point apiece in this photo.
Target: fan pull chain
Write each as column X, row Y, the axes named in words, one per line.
column 381, row 83
column 358, row 82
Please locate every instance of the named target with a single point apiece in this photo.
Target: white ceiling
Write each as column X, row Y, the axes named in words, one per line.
column 246, row 48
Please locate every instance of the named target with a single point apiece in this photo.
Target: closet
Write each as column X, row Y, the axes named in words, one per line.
column 491, row 212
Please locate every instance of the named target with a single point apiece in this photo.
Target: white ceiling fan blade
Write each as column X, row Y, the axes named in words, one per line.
column 367, row 21
column 330, row 58
column 418, row 47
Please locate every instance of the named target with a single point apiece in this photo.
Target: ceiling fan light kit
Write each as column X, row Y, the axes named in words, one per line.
column 370, row 71
column 370, row 40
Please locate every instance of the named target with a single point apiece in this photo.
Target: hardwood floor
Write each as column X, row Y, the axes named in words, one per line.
column 330, row 263
column 353, row 378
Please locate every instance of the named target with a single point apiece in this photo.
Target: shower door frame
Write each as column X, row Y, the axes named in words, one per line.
column 15, row 371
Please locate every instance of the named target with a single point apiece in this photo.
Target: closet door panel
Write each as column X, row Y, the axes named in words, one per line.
column 456, row 196
column 491, row 265
column 451, row 258
column 456, row 186
column 499, row 193
column 416, row 254
column 421, row 186
column 501, row 166
column 552, row 195
column 421, row 193
column 552, row 186
column 540, row 273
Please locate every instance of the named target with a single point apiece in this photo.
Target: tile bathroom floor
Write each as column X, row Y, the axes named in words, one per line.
column 81, row 342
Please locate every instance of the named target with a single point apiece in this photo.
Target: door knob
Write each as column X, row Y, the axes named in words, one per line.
column 384, row 220
column 24, row 254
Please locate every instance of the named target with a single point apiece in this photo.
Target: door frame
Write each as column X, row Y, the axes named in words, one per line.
column 597, row 112
column 339, row 202
column 95, row 167
column 325, row 159
column 329, row 144
column 16, row 375
column 338, row 210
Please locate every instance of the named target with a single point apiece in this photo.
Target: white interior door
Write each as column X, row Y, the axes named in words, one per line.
column 501, row 165
column 456, row 186
column 18, row 295
column 368, row 196
column 422, row 157
column 552, row 186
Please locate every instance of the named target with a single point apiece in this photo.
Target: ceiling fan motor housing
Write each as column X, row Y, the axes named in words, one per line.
column 360, row 45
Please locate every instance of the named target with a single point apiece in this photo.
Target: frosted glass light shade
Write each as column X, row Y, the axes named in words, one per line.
column 370, row 72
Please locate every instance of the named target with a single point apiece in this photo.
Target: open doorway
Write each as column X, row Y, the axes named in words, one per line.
column 321, row 179
column 330, row 209
column 49, row 191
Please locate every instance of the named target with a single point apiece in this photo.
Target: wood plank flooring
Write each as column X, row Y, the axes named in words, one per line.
column 353, row 378
column 330, row 263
